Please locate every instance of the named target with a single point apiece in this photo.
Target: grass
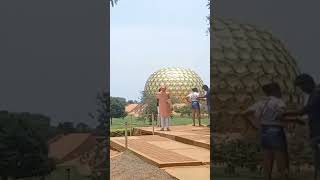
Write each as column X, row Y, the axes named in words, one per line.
column 60, row 174
column 118, row 123
column 243, row 174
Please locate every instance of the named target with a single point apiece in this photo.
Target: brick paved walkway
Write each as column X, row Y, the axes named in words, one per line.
column 114, row 153
column 190, row 172
column 163, row 152
column 193, row 135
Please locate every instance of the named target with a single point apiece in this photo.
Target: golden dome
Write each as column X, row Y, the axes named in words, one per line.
column 179, row 82
column 243, row 58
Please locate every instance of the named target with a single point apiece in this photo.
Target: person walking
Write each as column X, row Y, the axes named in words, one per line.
column 312, row 109
column 193, row 98
column 164, row 107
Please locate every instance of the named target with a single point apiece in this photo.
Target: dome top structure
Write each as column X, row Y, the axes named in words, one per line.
column 243, row 58
column 178, row 80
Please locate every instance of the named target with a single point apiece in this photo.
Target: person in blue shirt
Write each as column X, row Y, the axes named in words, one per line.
column 158, row 115
column 207, row 98
column 312, row 109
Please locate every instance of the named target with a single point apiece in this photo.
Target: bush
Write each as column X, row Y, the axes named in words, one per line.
column 300, row 151
column 246, row 153
column 237, row 153
column 183, row 111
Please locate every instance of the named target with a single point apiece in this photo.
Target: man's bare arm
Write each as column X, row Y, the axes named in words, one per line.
column 247, row 115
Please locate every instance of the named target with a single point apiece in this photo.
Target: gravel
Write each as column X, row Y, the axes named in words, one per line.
column 113, row 153
column 129, row 167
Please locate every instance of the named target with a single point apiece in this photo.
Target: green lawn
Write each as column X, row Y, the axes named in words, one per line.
column 61, row 174
column 118, row 123
column 246, row 175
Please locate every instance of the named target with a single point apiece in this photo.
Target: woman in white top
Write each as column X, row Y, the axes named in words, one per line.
column 193, row 98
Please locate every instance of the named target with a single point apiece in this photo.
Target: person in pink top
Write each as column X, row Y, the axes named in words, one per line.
column 164, row 107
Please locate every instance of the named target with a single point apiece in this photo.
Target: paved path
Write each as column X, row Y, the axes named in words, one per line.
column 163, row 152
column 188, row 134
column 189, row 173
column 114, row 153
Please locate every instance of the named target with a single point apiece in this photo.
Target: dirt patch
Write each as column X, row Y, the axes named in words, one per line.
column 129, row 167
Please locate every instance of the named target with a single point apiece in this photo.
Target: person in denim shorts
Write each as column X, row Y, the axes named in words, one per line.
column 269, row 112
column 193, row 98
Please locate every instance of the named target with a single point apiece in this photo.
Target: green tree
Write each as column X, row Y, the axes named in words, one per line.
column 23, row 146
column 183, row 110
column 102, row 113
column 66, row 127
column 132, row 102
column 82, row 127
column 117, row 107
column 151, row 105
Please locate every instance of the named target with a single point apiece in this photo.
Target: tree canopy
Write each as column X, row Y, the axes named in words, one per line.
column 151, row 104
column 117, row 107
column 23, row 145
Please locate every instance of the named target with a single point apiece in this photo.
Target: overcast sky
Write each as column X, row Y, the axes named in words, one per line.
column 53, row 56
column 147, row 35
column 295, row 22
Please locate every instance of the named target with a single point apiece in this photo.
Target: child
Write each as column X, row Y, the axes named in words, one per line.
column 269, row 112
column 193, row 98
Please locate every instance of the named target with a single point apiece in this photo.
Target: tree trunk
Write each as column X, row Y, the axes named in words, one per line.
column 111, row 121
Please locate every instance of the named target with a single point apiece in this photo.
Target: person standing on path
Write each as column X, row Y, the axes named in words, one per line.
column 268, row 113
column 307, row 84
column 193, row 98
column 164, row 107
column 158, row 115
column 207, row 98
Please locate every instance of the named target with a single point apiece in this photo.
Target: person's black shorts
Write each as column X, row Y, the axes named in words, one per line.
column 273, row 138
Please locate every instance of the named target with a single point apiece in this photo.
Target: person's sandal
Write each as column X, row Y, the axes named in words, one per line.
column 168, row 129
column 161, row 129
